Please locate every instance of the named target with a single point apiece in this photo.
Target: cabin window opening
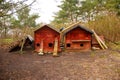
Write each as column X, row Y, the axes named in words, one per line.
column 81, row 45
column 38, row 44
column 30, row 42
column 68, row 45
column 50, row 44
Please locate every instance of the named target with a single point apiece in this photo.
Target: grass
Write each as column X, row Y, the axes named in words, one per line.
column 115, row 53
column 114, row 46
column 102, row 56
column 6, row 41
column 92, row 54
column 107, row 26
column 118, row 71
column 21, row 52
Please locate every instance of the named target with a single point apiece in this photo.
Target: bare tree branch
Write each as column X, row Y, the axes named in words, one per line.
column 2, row 15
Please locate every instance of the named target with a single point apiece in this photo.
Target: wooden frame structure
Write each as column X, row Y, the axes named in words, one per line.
column 77, row 37
column 46, row 36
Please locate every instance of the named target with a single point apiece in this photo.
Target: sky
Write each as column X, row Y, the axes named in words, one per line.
column 45, row 9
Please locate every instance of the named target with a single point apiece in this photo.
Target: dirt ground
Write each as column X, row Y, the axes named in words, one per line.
column 91, row 65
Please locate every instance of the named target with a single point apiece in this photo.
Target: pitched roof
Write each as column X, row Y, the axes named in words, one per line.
column 71, row 27
column 49, row 27
column 30, row 38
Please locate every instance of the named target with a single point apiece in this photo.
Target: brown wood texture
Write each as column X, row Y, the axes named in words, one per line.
column 48, row 36
column 78, row 39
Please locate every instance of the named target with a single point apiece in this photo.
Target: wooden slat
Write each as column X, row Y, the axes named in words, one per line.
column 80, row 40
column 41, row 48
column 101, row 41
column 21, row 49
column 55, row 52
column 98, row 40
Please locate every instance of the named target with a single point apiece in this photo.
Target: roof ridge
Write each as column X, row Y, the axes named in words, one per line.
column 74, row 26
column 50, row 26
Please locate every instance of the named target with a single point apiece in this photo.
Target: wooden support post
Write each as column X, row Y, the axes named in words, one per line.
column 41, row 48
column 22, row 45
column 102, row 42
column 55, row 52
column 23, row 42
column 64, row 41
column 98, row 40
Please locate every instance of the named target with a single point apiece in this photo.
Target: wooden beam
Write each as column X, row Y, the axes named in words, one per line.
column 98, row 40
column 41, row 48
column 101, row 41
column 22, row 45
column 55, row 52
column 80, row 40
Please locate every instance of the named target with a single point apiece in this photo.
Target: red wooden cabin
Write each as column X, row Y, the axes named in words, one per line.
column 77, row 37
column 46, row 35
